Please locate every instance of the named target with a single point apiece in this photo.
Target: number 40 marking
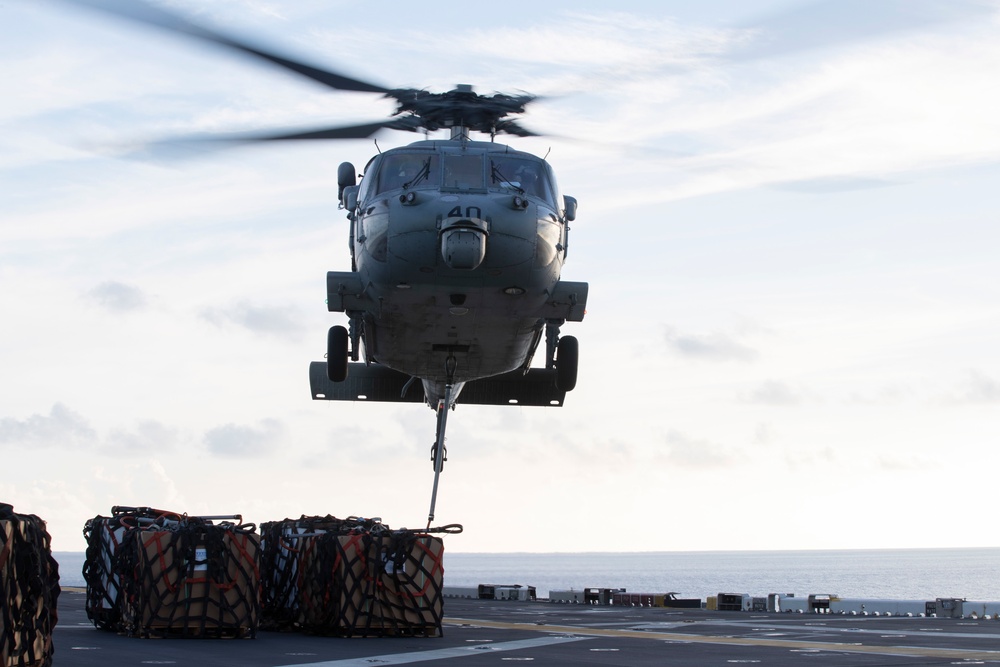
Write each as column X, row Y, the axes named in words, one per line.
column 470, row 212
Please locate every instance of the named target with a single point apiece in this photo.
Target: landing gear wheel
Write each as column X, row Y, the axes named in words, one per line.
column 337, row 352
column 567, row 359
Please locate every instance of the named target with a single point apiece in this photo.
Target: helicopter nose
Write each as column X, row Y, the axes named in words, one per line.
column 463, row 244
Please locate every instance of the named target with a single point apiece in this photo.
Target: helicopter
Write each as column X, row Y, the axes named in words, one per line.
column 456, row 250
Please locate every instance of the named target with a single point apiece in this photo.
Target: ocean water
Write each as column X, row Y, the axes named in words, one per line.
column 918, row 574
column 895, row 574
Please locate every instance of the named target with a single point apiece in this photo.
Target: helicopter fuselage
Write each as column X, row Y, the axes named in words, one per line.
column 457, row 248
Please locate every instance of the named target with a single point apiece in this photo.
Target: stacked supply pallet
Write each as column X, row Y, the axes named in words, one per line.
column 151, row 573
column 352, row 578
column 29, row 589
column 104, row 536
column 280, row 578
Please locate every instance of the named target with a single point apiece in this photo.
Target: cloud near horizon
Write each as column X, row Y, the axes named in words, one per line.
column 239, row 440
column 61, row 427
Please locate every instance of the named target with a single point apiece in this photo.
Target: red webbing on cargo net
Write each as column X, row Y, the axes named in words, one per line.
column 191, row 579
column 418, row 581
column 370, row 581
column 321, row 584
column 29, row 588
column 411, row 581
column 352, row 577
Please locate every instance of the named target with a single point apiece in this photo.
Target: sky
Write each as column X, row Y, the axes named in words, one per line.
column 788, row 218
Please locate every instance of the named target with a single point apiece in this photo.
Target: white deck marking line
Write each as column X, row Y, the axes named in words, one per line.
column 907, row 651
column 443, row 653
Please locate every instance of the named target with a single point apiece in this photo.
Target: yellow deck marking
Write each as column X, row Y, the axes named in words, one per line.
column 910, row 651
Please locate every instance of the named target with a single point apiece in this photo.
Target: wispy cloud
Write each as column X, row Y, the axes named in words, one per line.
column 378, row 443
column 851, row 119
column 763, row 435
column 829, row 184
column 888, row 463
column 246, row 441
column 64, row 428
column 831, row 23
column 147, row 437
column 224, row 10
column 803, row 458
column 715, row 346
column 977, row 389
column 279, row 321
column 60, row 428
column 146, row 482
column 888, row 395
column 118, row 297
column 774, row 392
column 685, row 451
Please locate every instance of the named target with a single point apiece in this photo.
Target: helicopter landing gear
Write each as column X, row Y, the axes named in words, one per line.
column 439, row 454
column 567, row 361
column 563, row 354
column 354, row 331
column 337, row 353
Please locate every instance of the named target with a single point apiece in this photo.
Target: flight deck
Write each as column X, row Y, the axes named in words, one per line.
column 495, row 632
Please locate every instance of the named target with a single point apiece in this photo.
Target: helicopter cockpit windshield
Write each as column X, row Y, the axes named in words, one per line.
column 408, row 170
column 463, row 172
column 526, row 176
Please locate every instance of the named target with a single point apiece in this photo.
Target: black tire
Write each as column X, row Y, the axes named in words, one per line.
column 567, row 360
column 337, row 353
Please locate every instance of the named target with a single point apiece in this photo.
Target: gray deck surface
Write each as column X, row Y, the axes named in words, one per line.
column 488, row 632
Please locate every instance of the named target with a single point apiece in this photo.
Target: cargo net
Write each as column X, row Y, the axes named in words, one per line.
column 170, row 575
column 280, row 601
column 104, row 536
column 352, row 578
column 29, row 588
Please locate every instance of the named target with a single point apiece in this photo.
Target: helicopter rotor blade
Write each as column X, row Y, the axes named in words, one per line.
column 199, row 144
column 512, row 127
column 346, row 132
column 139, row 11
column 416, row 109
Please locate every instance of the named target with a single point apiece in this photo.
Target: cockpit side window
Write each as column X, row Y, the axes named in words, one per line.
column 526, row 176
column 409, row 171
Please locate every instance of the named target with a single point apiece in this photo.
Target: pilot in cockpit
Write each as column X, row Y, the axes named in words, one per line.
column 398, row 171
column 528, row 178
